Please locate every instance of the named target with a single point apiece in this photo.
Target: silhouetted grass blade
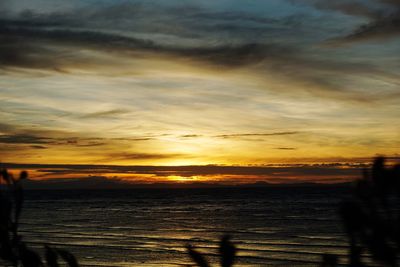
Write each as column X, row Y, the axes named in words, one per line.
column 227, row 251
column 197, row 257
column 51, row 257
column 68, row 258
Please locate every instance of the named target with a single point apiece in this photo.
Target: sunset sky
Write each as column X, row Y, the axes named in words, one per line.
column 308, row 89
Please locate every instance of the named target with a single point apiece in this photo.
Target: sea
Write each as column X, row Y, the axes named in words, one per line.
column 271, row 226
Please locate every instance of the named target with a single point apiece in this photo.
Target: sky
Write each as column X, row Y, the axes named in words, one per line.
column 290, row 85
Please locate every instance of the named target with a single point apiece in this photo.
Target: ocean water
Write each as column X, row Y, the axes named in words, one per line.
column 151, row 227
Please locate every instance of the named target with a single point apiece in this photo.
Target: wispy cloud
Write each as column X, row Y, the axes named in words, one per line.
column 348, row 7
column 105, row 114
column 254, row 134
column 31, row 47
column 382, row 28
column 56, row 42
column 383, row 16
column 23, row 139
column 191, row 135
column 38, row 147
column 39, row 137
column 140, row 156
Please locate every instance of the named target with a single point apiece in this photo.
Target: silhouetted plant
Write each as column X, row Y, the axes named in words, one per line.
column 13, row 250
column 371, row 216
column 227, row 252
column 329, row 260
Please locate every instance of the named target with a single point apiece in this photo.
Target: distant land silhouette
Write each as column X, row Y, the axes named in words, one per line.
column 212, row 174
column 99, row 182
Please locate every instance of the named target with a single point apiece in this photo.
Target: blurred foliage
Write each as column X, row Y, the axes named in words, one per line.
column 227, row 252
column 13, row 250
column 372, row 216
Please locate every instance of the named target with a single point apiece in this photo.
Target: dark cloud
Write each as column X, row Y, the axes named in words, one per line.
column 179, row 21
column 23, row 139
column 191, row 136
column 235, row 55
column 40, row 48
column 384, row 16
column 88, row 182
column 31, row 47
column 43, row 48
column 348, row 7
column 254, row 134
column 286, row 148
column 91, row 144
column 4, row 6
column 38, row 147
column 145, row 138
column 42, row 137
column 61, row 41
column 105, row 114
column 55, row 49
column 49, row 41
column 383, row 28
column 5, row 128
column 140, row 156
column 312, row 171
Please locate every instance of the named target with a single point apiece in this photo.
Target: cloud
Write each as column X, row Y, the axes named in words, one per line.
column 38, row 147
column 91, row 144
column 34, row 47
column 216, row 41
column 105, row 114
column 88, row 182
column 5, row 128
column 191, row 136
column 39, row 137
column 348, row 7
column 380, row 29
column 144, row 138
column 235, row 135
column 48, row 41
column 383, row 16
column 313, row 172
column 23, row 139
column 286, row 148
column 140, row 156
column 40, row 48
column 254, row 134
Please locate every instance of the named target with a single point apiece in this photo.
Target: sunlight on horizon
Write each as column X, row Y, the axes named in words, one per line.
column 256, row 91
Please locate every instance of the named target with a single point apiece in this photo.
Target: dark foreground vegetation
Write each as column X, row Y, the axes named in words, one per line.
column 13, row 250
column 370, row 216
